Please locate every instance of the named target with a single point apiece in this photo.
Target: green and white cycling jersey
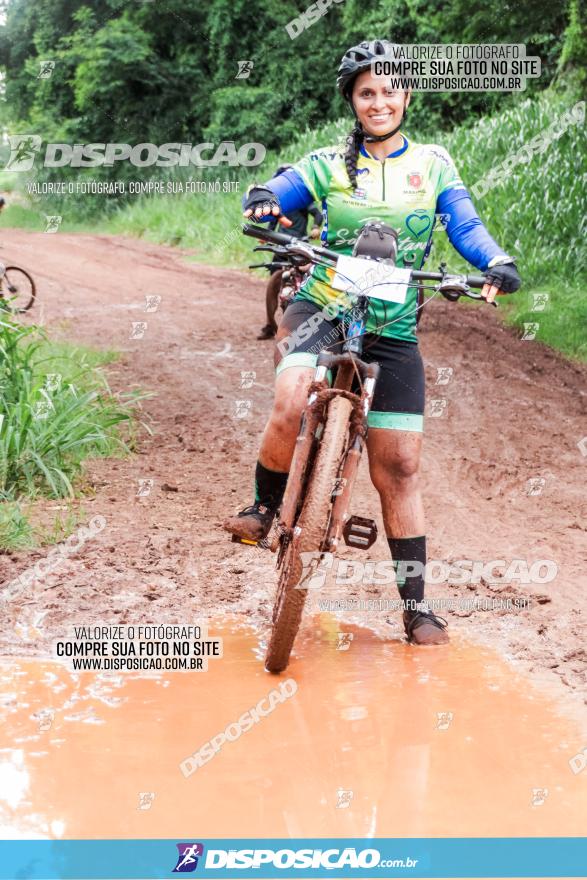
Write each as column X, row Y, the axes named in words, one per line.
column 402, row 191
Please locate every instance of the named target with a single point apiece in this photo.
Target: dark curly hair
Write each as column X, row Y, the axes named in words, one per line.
column 353, row 144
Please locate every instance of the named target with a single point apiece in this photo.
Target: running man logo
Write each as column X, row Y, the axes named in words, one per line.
column 244, row 69
column 344, row 797
column 53, row 382
column 248, row 378
column 187, row 861
column 539, row 301
column 339, row 485
column 530, row 330
column 315, row 566
column 144, row 489
column 46, row 71
column 45, row 719
column 437, row 407
column 138, row 330
column 443, row 375
column 443, row 220
column 535, row 485
column 146, row 799
column 23, row 151
column 578, row 762
column 152, row 302
column 242, row 409
column 539, row 796
column 41, row 409
column 443, row 720
column 53, row 222
column 343, row 641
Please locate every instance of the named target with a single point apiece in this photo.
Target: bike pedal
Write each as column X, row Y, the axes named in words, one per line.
column 236, row 539
column 360, row 532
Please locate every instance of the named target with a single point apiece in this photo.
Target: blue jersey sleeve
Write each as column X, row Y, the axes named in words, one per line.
column 292, row 192
column 465, row 230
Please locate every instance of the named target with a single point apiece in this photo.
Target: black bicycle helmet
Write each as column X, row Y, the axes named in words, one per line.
column 357, row 59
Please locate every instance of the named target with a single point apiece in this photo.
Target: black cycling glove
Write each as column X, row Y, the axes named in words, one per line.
column 505, row 277
column 258, row 197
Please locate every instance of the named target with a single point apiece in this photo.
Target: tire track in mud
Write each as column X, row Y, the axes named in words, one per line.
column 515, row 412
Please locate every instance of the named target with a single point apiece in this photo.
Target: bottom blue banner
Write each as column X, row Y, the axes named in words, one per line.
column 282, row 858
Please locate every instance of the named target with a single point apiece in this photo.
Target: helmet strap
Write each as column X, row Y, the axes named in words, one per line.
column 377, row 138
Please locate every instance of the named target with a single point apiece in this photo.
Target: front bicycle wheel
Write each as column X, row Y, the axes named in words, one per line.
column 17, row 289
column 313, row 522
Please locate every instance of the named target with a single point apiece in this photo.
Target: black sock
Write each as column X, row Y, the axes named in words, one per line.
column 410, row 551
column 269, row 486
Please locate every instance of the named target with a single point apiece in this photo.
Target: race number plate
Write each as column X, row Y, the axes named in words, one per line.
column 371, row 278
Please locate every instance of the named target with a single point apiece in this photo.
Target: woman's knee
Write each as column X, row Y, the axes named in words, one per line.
column 400, row 466
column 291, row 395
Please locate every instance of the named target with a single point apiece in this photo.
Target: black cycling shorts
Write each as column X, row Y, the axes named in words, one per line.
column 398, row 402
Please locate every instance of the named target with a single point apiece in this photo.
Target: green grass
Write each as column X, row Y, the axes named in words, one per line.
column 24, row 526
column 537, row 214
column 16, row 531
column 57, row 410
column 9, row 181
column 23, row 216
column 28, row 215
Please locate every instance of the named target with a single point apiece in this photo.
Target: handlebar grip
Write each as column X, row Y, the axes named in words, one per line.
column 474, row 281
column 266, row 234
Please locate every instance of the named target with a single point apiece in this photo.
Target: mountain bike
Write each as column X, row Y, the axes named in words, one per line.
column 17, row 289
column 314, row 514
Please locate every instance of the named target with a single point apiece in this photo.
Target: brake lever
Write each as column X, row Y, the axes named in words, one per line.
column 453, row 288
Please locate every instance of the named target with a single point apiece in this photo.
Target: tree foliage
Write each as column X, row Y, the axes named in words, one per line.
column 146, row 71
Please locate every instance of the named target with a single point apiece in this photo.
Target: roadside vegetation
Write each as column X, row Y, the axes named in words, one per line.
column 56, row 411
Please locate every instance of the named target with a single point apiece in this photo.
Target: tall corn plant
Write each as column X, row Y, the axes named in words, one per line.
column 48, row 426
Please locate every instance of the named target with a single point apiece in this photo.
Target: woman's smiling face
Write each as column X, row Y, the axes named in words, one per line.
column 378, row 108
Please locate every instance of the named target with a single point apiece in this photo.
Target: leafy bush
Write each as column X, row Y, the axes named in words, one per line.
column 56, row 409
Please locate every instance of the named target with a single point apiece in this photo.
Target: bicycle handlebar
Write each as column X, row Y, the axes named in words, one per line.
column 267, row 234
column 475, row 281
column 280, row 239
column 288, row 241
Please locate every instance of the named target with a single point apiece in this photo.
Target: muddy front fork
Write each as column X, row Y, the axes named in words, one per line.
column 343, row 489
column 312, row 422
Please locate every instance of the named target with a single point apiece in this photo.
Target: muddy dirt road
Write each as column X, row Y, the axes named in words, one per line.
column 514, row 413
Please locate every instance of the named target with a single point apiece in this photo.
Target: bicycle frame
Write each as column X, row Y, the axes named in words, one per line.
column 348, row 364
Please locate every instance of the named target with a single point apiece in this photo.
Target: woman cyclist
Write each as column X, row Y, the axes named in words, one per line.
column 380, row 176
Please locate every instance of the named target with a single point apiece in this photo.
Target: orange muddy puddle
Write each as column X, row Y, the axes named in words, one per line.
column 359, row 749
